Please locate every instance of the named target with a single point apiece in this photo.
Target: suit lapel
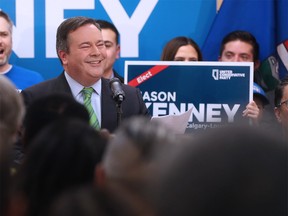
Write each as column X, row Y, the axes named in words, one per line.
column 108, row 107
column 62, row 85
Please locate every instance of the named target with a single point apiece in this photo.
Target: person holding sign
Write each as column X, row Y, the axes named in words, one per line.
column 242, row 46
column 181, row 49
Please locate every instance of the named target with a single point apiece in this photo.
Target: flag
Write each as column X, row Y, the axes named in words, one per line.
column 267, row 20
column 282, row 35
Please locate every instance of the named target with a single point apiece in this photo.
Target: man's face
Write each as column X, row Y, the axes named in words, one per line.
column 237, row 51
column 282, row 111
column 85, row 60
column 112, row 49
column 5, row 44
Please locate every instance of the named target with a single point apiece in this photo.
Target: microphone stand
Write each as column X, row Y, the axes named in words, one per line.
column 118, row 95
column 119, row 109
column 119, row 113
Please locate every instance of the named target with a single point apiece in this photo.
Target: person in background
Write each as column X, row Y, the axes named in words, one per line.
column 181, row 49
column 185, row 49
column 21, row 77
column 242, row 46
column 110, row 36
column 281, row 106
column 82, row 52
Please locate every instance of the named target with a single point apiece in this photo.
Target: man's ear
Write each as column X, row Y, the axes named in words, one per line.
column 118, row 51
column 99, row 176
column 63, row 56
column 277, row 114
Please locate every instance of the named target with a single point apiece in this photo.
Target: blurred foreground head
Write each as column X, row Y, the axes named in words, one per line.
column 128, row 163
column 132, row 150
column 48, row 109
column 62, row 156
column 11, row 109
column 11, row 114
column 228, row 171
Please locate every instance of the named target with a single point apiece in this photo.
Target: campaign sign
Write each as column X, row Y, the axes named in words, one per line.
column 217, row 92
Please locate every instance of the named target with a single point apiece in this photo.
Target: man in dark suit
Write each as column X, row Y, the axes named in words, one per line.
column 81, row 50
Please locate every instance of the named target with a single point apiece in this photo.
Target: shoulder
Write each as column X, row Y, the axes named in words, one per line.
column 54, row 84
column 130, row 88
column 58, row 84
column 23, row 78
column 26, row 72
column 126, row 88
column 118, row 76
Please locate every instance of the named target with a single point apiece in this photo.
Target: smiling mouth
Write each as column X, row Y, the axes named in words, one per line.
column 1, row 51
column 96, row 61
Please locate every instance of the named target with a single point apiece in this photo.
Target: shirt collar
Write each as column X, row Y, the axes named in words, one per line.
column 76, row 87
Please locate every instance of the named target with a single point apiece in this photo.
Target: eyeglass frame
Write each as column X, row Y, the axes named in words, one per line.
column 283, row 102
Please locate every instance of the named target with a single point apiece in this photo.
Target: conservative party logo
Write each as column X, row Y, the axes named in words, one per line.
column 225, row 74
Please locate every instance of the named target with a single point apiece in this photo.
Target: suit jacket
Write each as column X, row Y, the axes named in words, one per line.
column 118, row 76
column 133, row 104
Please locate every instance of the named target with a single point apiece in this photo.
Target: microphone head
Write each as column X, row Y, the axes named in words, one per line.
column 116, row 87
column 112, row 80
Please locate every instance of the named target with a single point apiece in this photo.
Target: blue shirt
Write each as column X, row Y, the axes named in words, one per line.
column 23, row 78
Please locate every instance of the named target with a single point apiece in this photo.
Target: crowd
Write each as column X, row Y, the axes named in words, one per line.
column 64, row 150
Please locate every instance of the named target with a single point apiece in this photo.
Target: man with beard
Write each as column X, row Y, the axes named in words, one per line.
column 21, row 77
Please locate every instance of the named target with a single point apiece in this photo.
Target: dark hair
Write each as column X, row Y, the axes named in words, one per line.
column 171, row 48
column 108, row 25
column 279, row 91
column 68, row 26
column 7, row 18
column 88, row 201
column 244, row 36
column 62, row 156
column 227, row 171
column 48, row 109
column 5, row 170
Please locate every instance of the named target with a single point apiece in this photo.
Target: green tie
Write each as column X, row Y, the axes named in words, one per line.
column 87, row 93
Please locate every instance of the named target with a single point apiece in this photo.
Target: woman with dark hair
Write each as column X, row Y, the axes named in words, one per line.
column 181, row 49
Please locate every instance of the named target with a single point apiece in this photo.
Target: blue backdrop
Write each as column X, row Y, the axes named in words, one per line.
column 154, row 22
column 267, row 20
column 145, row 26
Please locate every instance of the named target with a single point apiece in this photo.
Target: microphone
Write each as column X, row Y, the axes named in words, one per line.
column 116, row 87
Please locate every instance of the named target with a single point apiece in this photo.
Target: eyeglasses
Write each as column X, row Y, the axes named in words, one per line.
column 283, row 102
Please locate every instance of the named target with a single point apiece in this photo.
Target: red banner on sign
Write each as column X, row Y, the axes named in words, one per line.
column 147, row 75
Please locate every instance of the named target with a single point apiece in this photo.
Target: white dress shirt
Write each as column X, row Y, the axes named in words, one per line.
column 76, row 89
